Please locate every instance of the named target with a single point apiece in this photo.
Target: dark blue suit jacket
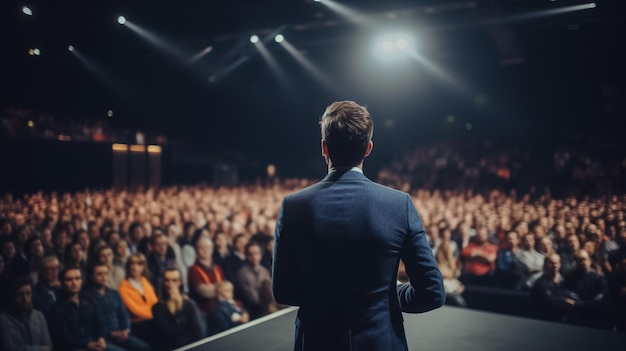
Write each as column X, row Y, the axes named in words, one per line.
column 336, row 254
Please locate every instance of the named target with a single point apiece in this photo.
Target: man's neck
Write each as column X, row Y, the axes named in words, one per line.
column 101, row 289
column 333, row 168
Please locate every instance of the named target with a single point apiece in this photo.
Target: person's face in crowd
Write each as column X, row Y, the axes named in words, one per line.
column 159, row 246
column 114, row 238
column 583, row 261
column 172, row 281
column 61, row 241
column 225, row 291
column 241, row 243
column 512, row 240
column 482, row 235
column 253, row 255
column 221, row 241
column 121, row 248
column 106, row 257
column 77, row 252
column 204, row 248
column 528, row 242
column 137, row 234
column 22, row 236
column 136, row 268
column 100, row 274
column 590, row 247
column 8, row 250
column 46, row 237
column 539, row 232
column 36, row 248
column 552, row 265
column 83, row 240
column 50, row 269
column 572, row 242
column 6, row 229
column 546, row 245
column 24, row 298
column 94, row 231
column 72, row 281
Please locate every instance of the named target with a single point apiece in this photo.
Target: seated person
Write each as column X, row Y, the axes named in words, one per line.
column 22, row 327
column 115, row 320
column 479, row 257
column 177, row 320
column 47, row 290
column 227, row 313
column 138, row 295
column 550, row 299
column 74, row 321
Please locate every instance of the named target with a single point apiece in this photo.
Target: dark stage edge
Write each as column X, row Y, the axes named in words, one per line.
column 445, row 329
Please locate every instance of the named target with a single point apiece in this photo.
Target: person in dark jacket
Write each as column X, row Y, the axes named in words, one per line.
column 74, row 322
column 177, row 320
column 22, row 327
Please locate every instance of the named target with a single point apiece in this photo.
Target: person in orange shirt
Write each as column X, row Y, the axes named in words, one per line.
column 138, row 295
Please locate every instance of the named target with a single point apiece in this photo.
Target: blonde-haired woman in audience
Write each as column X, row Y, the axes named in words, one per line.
column 138, row 295
column 450, row 270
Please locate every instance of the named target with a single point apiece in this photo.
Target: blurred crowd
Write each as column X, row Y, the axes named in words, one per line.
column 161, row 268
column 156, row 268
column 21, row 123
column 581, row 167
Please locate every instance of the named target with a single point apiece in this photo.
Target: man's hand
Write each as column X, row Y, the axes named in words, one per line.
column 245, row 317
column 98, row 345
column 120, row 335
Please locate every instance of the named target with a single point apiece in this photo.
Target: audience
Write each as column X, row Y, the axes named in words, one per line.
column 250, row 278
column 21, row 326
column 138, row 295
column 74, row 320
column 227, row 313
column 112, row 312
column 224, row 234
column 177, row 320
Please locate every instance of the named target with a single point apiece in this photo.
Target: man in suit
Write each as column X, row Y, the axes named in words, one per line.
column 338, row 244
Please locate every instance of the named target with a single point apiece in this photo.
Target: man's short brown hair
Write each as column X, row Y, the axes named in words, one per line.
column 347, row 128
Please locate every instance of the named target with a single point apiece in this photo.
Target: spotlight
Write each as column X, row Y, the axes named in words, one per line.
column 254, row 39
column 110, row 113
column 402, row 44
column 34, row 52
column 387, row 46
column 279, row 38
column 70, row 48
column 27, row 11
column 121, row 20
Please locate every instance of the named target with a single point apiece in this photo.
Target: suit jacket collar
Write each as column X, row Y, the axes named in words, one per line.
column 344, row 174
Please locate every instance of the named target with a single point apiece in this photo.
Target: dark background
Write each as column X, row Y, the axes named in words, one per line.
column 528, row 80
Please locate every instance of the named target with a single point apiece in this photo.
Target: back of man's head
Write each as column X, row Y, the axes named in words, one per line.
column 347, row 128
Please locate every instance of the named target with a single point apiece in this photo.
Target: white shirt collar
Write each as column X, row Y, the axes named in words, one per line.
column 356, row 169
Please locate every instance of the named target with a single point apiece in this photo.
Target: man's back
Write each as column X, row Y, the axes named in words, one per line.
column 338, row 244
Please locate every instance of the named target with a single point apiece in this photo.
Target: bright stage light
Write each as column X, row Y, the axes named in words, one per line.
column 34, row 52
column 279, row 38
column 70, row 48
column 27, row 11
column 121, row 20
column 254, row 39
column 402, row 43
column 387, row 46
column 392, row 45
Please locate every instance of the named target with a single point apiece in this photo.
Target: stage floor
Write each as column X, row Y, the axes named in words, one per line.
column 445, row 329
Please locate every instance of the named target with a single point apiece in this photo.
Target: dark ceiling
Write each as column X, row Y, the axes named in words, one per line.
column 505, row 66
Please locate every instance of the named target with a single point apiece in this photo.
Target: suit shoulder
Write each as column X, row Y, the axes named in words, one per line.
column 302, row 193
column 388, row 191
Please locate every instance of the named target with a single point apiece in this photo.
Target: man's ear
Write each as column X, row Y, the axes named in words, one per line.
column 370, row 146
column 324, row 148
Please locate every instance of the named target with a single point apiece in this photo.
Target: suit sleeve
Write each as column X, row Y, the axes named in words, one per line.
column 285, row 277
column 425, row 291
